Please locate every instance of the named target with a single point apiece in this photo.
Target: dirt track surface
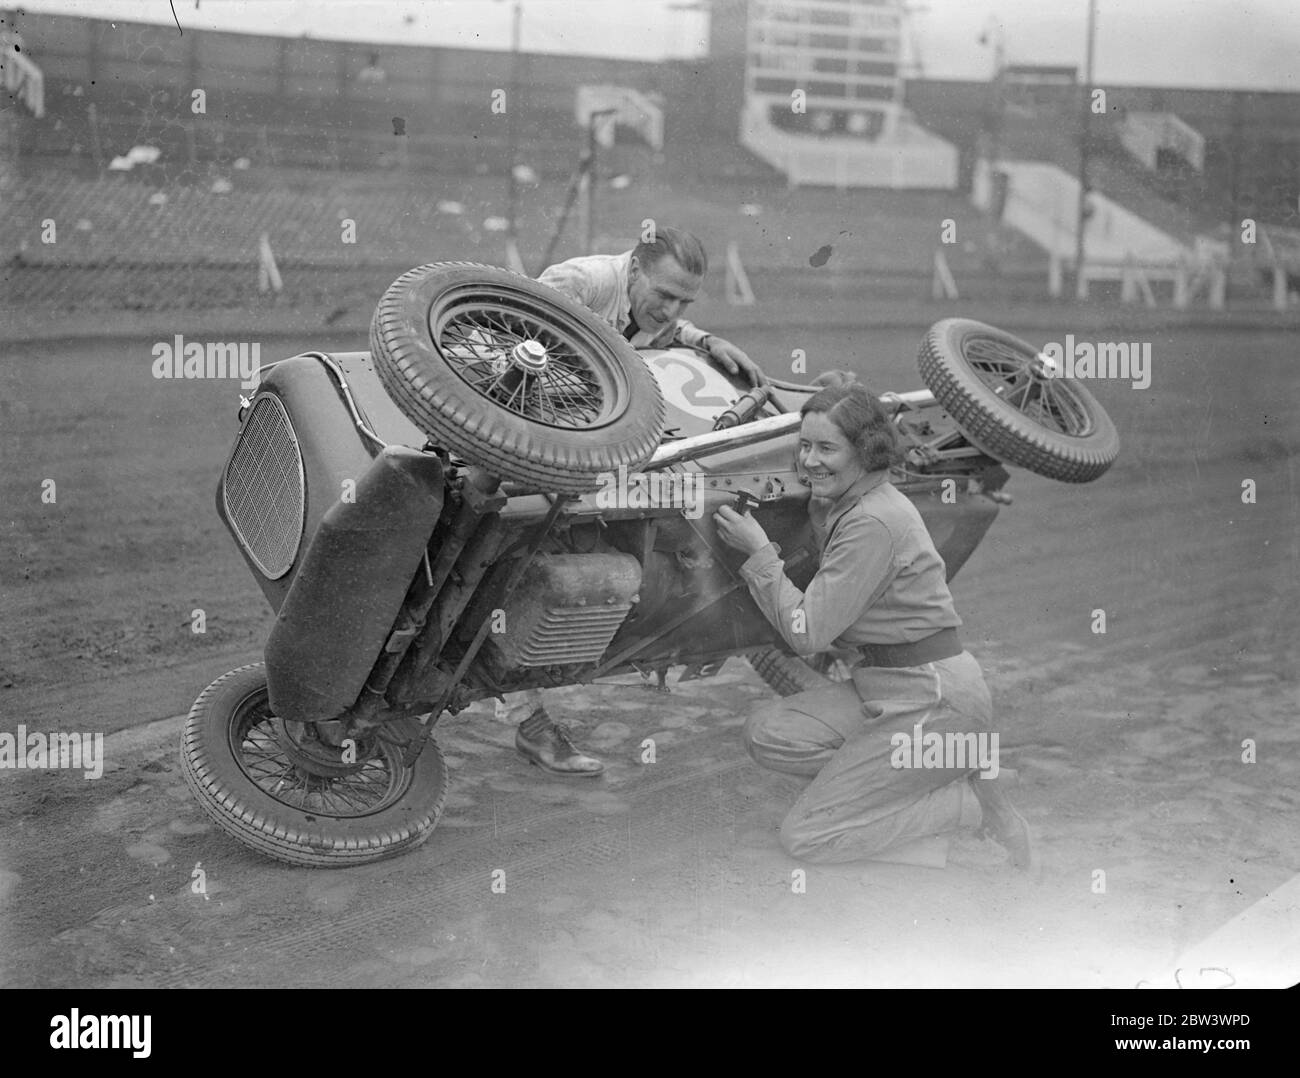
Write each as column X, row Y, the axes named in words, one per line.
column 1129, row 744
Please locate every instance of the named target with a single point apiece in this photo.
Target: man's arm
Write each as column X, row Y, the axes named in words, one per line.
column 689, row 334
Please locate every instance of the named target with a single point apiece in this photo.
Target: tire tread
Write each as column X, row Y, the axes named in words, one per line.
column 249, row 825
column 998, row 429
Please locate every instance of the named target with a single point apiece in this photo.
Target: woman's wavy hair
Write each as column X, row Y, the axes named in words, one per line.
column 855, row 410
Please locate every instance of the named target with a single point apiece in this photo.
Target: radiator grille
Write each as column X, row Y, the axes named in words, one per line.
column 568, row 634
column 263, row 488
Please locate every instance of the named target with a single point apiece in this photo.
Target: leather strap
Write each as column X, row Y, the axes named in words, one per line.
column 941, row 645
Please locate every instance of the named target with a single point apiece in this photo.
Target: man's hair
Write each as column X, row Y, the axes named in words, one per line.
column 685, row 248
column 864, row 423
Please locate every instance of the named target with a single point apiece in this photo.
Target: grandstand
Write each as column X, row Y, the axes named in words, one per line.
column 125, row 242
column 299, row 136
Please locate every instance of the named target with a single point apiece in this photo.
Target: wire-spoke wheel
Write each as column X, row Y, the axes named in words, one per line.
column 509, row 374
column 1011, row 404
column 271, row 786
column 481, row 341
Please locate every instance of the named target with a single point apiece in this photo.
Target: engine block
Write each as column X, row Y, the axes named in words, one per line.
column 566, row 609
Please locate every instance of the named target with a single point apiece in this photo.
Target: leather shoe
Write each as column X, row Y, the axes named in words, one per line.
column 1003, row 822
column 548, row 746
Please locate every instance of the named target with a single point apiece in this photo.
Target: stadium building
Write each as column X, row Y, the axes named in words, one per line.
column 824, row 94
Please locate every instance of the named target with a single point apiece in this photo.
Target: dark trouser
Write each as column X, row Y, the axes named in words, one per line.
column 859, row 804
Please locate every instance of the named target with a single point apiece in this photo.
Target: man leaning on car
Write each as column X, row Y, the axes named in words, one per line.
column 641, row 293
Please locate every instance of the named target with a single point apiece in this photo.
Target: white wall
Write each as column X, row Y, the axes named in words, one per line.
column 913, row 159
column 1042, row 202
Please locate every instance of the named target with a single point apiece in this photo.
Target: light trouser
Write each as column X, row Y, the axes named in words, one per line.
column 859, row 804
column 518, row 706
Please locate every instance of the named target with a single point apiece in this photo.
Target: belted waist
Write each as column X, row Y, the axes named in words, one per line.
column 941, row 645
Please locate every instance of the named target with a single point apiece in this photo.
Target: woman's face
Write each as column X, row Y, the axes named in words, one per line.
column 832, row 464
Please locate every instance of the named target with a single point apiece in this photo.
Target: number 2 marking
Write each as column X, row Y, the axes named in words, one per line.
column 685, row 392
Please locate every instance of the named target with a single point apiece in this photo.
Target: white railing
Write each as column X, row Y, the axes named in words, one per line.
column 1188, row 276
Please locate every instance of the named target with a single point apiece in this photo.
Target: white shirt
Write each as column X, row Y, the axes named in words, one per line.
column 599, row 283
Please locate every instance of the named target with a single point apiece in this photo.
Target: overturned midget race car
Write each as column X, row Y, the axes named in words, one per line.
column 501, row 493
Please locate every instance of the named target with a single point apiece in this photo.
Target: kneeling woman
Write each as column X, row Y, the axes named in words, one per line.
column 879, row 589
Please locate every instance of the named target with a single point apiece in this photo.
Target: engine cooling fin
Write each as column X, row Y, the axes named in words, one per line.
column 567, row 609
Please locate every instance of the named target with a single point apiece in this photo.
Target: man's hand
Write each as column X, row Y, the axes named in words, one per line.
column 742, row 532
column 734, row 361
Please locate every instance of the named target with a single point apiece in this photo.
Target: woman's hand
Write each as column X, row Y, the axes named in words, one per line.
column 744, row 533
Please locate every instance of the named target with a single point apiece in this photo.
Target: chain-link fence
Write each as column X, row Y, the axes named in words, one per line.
column 136, row 241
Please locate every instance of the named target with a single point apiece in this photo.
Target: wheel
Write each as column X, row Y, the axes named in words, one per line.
column 511, row 375
column 789, row 674
column 325, row 816
column 1008, row 404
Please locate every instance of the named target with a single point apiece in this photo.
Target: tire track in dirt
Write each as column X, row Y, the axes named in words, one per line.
column 571, row 841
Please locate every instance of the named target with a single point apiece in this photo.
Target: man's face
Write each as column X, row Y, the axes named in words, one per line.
column 661, row 293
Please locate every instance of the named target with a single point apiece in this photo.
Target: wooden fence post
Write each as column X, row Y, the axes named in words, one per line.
column 1181, row 287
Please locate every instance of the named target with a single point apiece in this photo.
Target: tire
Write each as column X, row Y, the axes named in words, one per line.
column 1055, row 428
column 443, row 341
column 787, row 675
column 229, row 735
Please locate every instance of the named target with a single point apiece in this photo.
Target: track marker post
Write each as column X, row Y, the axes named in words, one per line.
column 1218, row 288
column 739, row 292
column 1182, row 287
column 513, row 260
column 1133, row 281
column 942, row 285
column 1279, row 285
column 268, row 273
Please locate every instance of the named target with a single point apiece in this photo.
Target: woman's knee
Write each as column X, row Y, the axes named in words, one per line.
column 797, row 839
column 760, row 734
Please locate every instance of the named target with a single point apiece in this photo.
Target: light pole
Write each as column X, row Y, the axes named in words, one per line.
column 997, row 105
column 994, row 118
column 593, row 174
column 512, row 134
column 1085, row 138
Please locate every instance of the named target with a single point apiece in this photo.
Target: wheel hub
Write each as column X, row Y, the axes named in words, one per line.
column 1043, row 366
column 529, row 356
column 308, row 752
